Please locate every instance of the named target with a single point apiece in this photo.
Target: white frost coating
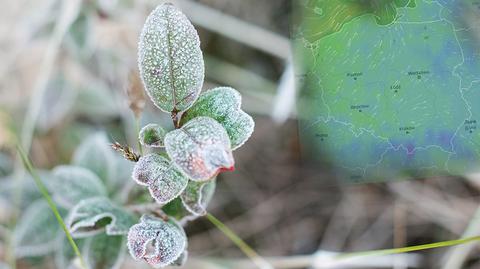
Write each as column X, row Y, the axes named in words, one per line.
column 83, row 219
column 152, row 135
column 158, row 242
column 163, row 179
column 224, row 105
column 201, row 148
column 71, row 184
column 197, row 195
column 170, row 60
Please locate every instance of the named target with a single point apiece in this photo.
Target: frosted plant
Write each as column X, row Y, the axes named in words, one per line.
column 179, row 169
column 208, row 127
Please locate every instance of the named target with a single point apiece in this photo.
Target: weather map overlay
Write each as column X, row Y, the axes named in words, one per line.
column 390, row 88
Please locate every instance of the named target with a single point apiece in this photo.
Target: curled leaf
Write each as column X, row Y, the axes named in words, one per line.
column 158, row 242
column 152, row 135
column 163, row 179
column 90, row 216
column 201, row 148
column 170, row 60
column 224, row 105
column 197, row 195
column 72, row 184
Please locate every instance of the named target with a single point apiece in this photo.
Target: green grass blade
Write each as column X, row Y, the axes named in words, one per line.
column 41, row 187
column 244, row 247
column 381, row 252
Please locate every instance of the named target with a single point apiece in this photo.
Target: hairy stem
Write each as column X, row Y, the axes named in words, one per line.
column 137, row 131
column 244, row 247
column 41, row 187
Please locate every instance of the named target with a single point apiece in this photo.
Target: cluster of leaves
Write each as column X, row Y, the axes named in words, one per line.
column 86, row 193
column 208, row 126
column 179, row 167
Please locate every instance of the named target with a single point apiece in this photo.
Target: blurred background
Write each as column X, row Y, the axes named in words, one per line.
column 65, row 73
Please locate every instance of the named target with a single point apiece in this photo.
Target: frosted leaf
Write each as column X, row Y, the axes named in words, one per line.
column 90, row 216
column 201, row 148
column 35, row 231
column 152, row 135
column 170, row 60
column 161, row 176
column 224, row 105
column 95, row 154
column 72, row 184
column 197, row 195
column 104, row 252
column 158, row 242
column 176, row 209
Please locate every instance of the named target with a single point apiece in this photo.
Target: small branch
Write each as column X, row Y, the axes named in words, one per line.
column 175, row 119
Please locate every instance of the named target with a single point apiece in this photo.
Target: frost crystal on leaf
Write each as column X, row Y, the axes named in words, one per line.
column 152, row 135
column 158, row 242
column 161, row 176
column 201, row 148
column 72, row 184
column 92, row 215
column 224, row 105
column 197, row 195
column 170, row 60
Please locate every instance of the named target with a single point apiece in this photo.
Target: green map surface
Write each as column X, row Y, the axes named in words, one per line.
column 390, row 88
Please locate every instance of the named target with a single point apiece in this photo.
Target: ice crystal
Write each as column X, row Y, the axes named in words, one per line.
column 158, row 242
column 224, row 105
column 91, row 215
column 197, row 195
column 152, row 135
column 161, row 176
column 201, row 148
column 71, row 184
column 170, row 60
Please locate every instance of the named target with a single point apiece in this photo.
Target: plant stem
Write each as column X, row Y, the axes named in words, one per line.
column 137, row 131
column 244, row 247
column 409, row 249
column 28, row 165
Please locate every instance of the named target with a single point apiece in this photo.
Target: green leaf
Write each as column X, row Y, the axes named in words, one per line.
column 72, row 184
column 152, row 135
column 170, row 60
column 201, row 148
column 197, row 195
column 163, row 179
column 64, row 254
column 104, row 252
column 158, row 242
column 177, row 210
column 95, row 154
column 224, row 105
column 91, row 216
column 36, row 231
